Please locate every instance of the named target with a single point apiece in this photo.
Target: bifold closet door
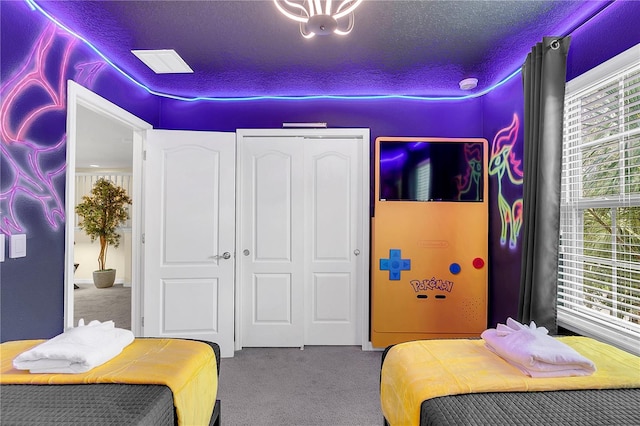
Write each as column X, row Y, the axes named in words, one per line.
column 271, row 249
column 333, row 188
column 298, row 249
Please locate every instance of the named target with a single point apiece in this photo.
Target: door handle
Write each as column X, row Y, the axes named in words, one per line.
column 225, row 255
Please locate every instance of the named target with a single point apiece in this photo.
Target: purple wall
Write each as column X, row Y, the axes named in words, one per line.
column 503, row 128
column 32, row 130
column 613, row 31
column 36, row 60
column 383, row 117
column 488, row 117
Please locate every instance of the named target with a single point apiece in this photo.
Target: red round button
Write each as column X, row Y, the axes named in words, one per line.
column 478, row 263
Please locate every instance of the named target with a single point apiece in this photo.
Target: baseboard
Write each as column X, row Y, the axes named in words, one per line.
column 90, row 281
column 369, row 347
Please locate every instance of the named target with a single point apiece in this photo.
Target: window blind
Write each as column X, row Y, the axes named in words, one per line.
column 423, row 181
column 599, row 264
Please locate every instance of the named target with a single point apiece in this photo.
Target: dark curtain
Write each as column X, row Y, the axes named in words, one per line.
column 543, row 76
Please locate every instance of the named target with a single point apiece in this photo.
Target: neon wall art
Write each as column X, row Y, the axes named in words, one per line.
column 34, row 97
column 508, row 169
column 471, row 182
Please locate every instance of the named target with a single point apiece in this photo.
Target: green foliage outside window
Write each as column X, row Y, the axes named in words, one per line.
column 611, row 235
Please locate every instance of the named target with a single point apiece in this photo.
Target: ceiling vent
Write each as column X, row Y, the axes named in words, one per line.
column 164, row 61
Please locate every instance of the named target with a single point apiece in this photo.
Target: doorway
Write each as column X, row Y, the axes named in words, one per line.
column 321, row 303
column 112, row 141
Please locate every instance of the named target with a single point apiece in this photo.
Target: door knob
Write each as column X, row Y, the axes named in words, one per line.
column 356, row 252
column 246, row 252
column 225, row 255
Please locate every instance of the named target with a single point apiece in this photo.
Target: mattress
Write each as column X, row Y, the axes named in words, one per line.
column 92, row 404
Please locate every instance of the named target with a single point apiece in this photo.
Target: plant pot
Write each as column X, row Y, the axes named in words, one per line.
column 104, row 279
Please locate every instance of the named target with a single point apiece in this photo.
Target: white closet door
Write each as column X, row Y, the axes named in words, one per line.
column 333, row 184
column 271, row 244
column 302, row 219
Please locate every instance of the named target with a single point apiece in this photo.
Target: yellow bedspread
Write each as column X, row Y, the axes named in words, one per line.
column 416, row 371
column 187, row 367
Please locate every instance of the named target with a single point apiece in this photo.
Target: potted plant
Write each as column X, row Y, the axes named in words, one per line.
column 101, row 213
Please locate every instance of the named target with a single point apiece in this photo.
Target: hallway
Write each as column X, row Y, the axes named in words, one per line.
column 103, row 304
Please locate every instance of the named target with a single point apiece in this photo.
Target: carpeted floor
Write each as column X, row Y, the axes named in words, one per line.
column 103, row 304
column 320, row 385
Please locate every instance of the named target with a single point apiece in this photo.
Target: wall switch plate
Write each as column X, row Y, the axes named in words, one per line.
column 1, row 247
column 17, row 245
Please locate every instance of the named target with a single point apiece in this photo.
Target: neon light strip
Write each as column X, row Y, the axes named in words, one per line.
column 34, row 6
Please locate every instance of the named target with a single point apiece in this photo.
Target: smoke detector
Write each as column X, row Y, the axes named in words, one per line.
column 468, row 83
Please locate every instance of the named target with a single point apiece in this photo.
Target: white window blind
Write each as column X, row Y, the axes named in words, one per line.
column 423, row 181
column 599, row 265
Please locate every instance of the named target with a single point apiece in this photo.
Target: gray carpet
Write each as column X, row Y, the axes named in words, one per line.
column 103, row 304
column 320, row 385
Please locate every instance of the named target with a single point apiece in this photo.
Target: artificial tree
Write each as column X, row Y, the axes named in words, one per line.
column 101, row 213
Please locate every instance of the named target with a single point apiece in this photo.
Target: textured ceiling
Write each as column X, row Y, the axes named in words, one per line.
column 247, row 48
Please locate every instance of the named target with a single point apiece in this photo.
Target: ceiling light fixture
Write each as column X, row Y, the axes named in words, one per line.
column 317, row 17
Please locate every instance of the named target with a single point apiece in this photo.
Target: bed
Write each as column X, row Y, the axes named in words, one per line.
column 461, row 382
column 102, row 399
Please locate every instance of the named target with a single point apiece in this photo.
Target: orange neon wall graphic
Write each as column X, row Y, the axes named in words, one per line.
column 471, row 181
column 507, row 168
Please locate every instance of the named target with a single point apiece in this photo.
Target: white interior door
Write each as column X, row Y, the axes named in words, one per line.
column 302, row 225
column 271, row 226
column 333, row 211
column 190, row 236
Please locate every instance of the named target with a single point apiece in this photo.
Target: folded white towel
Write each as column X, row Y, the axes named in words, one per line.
column 513, row 325
column 534, row 352
column 77, row 350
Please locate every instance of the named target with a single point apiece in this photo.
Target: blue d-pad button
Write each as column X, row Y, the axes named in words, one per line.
column 395, row 264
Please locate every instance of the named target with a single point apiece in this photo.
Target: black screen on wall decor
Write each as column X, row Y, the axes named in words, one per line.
column 431, row 171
